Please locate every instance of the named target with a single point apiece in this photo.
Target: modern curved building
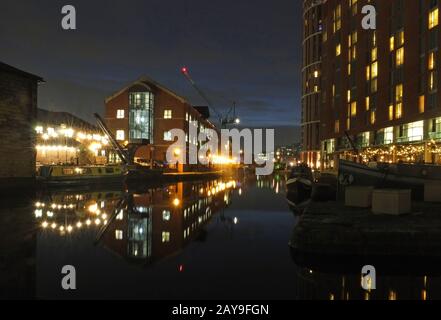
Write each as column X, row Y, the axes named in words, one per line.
column 311, row 80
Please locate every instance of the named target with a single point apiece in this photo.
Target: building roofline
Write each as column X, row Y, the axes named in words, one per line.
column 146, row 81
column 9, row 68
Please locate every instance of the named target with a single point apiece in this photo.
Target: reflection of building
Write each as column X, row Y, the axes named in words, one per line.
column 18, row 109
column 146, row 112
column 142, row 227
column 382, row 85
column 161, row 222
column 63, row 138
column 311, row 75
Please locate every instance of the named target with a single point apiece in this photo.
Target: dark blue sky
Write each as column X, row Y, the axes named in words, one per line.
column 243, row 50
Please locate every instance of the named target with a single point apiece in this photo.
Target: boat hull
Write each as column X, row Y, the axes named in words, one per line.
column 298, row 190
column 398, row 177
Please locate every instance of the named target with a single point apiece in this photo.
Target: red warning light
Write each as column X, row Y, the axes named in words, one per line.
column 181, row 268
column 184, row 70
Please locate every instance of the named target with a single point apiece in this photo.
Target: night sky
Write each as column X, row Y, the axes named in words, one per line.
column 243, row 50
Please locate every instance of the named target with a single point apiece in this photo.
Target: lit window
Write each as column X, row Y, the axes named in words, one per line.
column 374, row 54
column 422, row 104
column 316, row 74
column 186, row 116
column 338, row 50
column 433, row 18
column 373, row 117
column 120, row 135
column 400, row 38
column 399, row 110
column 431, row 64
column 120, row 114
column 165, row 237
column 399, row 93
column 119, row 235
column 400, row 57
column 168, row 136
column 391, row 112
column 368, row 103
column 374, row 70
column 168, row 114
column 166, row 215
column 353, row 109
column 392, row 43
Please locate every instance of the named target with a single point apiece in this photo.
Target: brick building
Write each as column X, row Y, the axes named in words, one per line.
column 18, row 110
column 63, row 138
column 145, row 111
column 381, row 86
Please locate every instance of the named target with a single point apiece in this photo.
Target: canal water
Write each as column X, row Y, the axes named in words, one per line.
column 219, row 239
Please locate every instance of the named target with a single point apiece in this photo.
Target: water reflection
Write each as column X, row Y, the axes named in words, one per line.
column 140, row 226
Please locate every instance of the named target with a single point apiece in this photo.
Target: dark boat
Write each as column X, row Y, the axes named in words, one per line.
column 299, row 184
column 385, row 175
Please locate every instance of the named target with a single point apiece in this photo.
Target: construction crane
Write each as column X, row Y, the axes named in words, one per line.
column 225, row 120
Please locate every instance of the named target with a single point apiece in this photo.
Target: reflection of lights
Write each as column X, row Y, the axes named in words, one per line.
column 240, row 191
column 235, row 220
column 176, row 202
column 93, row 208
column 38, row 213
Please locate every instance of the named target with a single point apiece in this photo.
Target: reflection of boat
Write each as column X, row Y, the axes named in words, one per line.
column 408, row 176
column 299, row 184
column 80, row 175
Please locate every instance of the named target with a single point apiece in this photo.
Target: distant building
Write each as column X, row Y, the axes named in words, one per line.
column 62, row 138
column 145, row 111
column 18, row 111
column 380, row 87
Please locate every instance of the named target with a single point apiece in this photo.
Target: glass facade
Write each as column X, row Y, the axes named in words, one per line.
column 141, row 113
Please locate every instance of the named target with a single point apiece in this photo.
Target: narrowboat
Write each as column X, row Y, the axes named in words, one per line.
column 385, row 175
column 67, row 176
column 299, row 184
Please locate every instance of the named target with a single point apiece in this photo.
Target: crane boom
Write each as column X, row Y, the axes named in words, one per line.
column 118, row 149
column 199, row 91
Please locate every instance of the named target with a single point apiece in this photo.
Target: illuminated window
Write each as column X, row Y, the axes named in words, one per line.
column 399, row 110
column 368, row 73
column 166, row 215
column 168, row 114
column 338, row 50
column 119, row 235
column 353, row 109
column 374, row 55
column 165, row 237
column 422, row 103
column 400, row 57
column 373, row 117
column 368, row 103
column 431, row 62
column 388, row 135
column 316, row 74
column 433, row 18
column 337, row 19
column 168, row 136
column 432, row 81
column 392, row 43
column 349, row 96
column 399, row 93
column 391, row 112
column 120, row 114
column 400, row 38
column 374, row 70
column 120, row 135
column 186, row 116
